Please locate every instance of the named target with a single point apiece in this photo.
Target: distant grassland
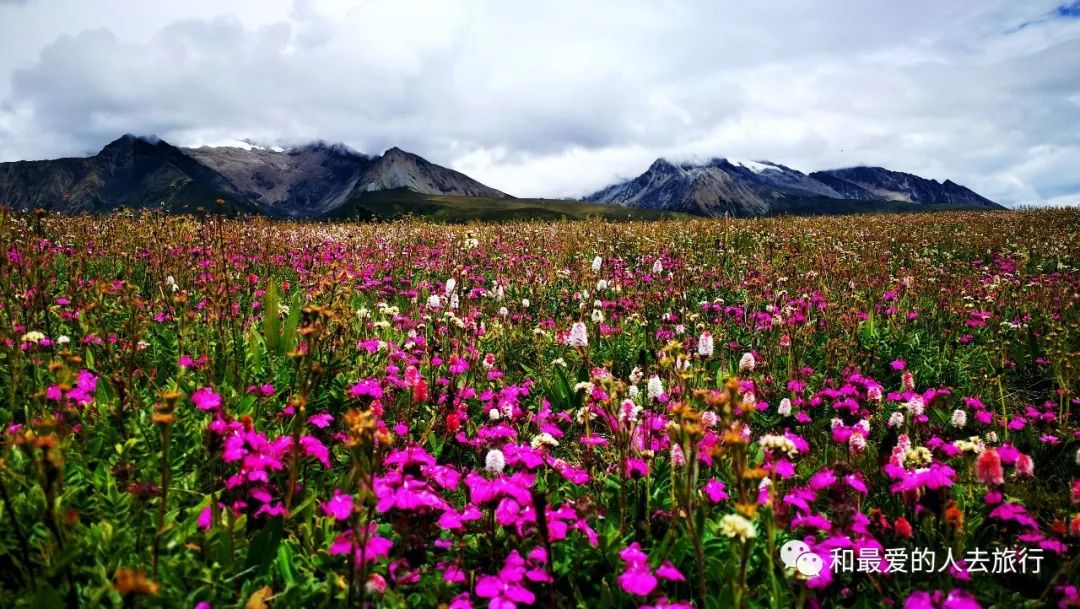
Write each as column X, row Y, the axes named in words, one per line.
column 391, row 204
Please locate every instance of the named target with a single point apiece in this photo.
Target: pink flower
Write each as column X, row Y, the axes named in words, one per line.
column 637, row 578
column 988, row 468
column 375, row 548
column 204, row 398
column 1025, row 466
column 714, row 490
column 339, row 507
column 506, row 589
column 366, row 387
column 668, row 571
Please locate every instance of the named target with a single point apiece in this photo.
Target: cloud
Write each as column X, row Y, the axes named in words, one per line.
column 560, row 98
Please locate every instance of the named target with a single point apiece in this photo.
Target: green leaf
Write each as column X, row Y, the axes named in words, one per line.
column 47, row 597
column 285, row 564
column 264, row 546
column 271, row 320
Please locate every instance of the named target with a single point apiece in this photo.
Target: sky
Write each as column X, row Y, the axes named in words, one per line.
column 559, row 98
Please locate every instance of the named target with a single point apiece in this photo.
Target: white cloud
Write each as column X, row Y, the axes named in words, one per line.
column 562, row 97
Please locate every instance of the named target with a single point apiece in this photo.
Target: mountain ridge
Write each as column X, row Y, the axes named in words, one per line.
column 307, row 181
column 324, row 180
column 720, row 186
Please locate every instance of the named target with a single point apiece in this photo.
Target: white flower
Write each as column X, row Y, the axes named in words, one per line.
column 597, row 316
column 596, row 264
column 747, row 362
column 454, row 302
column 705, row 345
column 32, row 336
column 734, row 525
column 433, row 301
column 503, row 311
column 63, row 339
column 450, row 285
column 655, row 387
column 579, row 335
column 896, row 419
column 170, row 282
column 636, row 375
column 633, row 391
column 915, row 405
column 525, row 303
column 959, row 418
column 657, row 267
column 1078, row 456
column 874, row 393
column 543, row 439
column 778, row 442
column 601, row 285
column 495, row 461
column 784, row 408
column 283, row 310
column 494, row 414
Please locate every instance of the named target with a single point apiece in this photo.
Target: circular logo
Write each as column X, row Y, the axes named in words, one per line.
column 797, row 555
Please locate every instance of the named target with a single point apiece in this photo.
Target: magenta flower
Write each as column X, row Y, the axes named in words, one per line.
column 637, row 578
column 339, row 507
column 206, row 399
column 366, row 388
column 507, row 588
column 375, row 547
column 714, row 490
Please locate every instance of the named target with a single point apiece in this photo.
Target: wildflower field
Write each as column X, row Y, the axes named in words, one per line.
column 208, row 413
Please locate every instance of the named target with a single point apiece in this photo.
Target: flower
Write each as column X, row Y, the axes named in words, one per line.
column 578, row 336
column 506, row 589
column 495, row 461
column 784, row 409
column 339, row 507
column 705, row 345
column 34, row 337
column 204, row 398
column 596, row 263
column 747, row 362
column 366, row 387
column 988, row 468
column 735, row 525
column 1025, row 466
column 959, row 418
column 902, row 528
column 637, row 578
column 655, row 388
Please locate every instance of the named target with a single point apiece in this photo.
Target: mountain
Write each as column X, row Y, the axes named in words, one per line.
column 129, row 172
column 753, row 188
column 870, row 183
column 304, row 182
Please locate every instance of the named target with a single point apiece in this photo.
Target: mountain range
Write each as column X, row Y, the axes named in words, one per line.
column 721, row 187
column 333, row 181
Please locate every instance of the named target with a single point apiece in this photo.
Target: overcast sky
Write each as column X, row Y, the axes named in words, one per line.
column 560, row 98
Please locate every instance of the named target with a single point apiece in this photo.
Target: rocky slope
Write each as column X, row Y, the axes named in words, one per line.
column 304, row 182
column 753, row 188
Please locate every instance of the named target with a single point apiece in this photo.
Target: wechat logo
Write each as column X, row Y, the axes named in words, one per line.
column 797, row 555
